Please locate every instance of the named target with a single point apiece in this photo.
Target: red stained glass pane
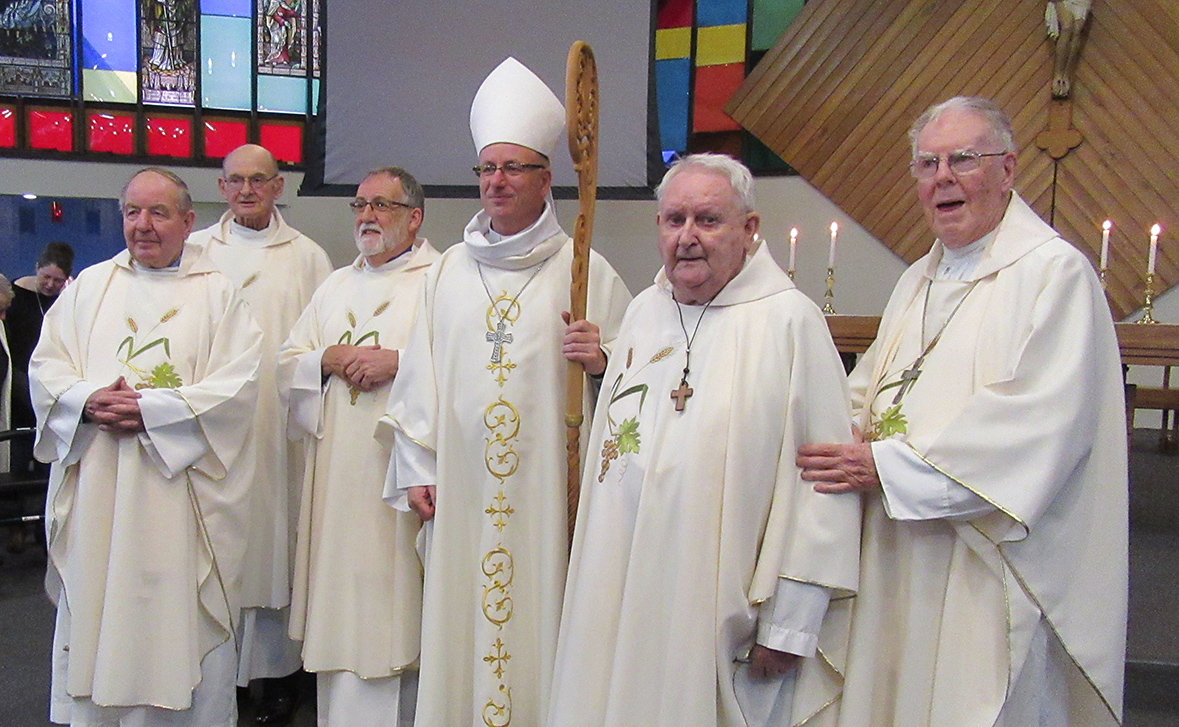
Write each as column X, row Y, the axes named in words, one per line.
column 715, row 85
column 109, row 132
column 169, row 137
column 674, row 14
column 51, row 130
column 285, row 141
column 223, row 136
column 7, row 127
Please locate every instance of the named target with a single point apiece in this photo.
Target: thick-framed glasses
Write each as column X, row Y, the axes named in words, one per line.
column 925, row 166
column 512, row 169
column 235, row 181
column 378, row 205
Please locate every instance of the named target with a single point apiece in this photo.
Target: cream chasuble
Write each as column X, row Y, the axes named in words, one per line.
column 357, row 597
column 146, row 532
column 498, row 544
column 1020, row 402
column 275, row 270
column 688, row 519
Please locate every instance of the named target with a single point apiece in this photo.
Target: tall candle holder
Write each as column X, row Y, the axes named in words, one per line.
column 790, row 272
column 1148, row 305
column 830, row 295
column 1101, row 275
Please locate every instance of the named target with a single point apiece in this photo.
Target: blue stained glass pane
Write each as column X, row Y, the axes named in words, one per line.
column 315, row 96
column 282, row 94
column 225, row 62
column 232, row 8
column 721, row 12
column 671, row 93
column 108, row 35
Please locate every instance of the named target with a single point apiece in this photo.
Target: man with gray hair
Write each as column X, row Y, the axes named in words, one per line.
column 143, row 382
column 993, row 466
column 702, row 564
column 357, row 599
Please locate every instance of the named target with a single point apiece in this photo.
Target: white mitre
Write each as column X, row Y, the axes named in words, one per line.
column 514, row 106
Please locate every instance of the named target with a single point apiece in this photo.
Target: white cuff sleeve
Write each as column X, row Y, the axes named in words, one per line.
column 411, row 465
column 914, row 490
column 305, row 398
column 70, row 435
column 172, row 437
column 790, row 621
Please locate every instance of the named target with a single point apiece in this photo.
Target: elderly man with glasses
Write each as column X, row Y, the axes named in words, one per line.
column 357, row 597
column 276, row 268
column 478, row 414
column 993, row 466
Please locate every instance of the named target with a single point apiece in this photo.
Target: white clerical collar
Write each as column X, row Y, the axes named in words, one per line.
column 249, row 237
column 959, row 264
column 171, row 270
column 530, row 246
column 390, row 265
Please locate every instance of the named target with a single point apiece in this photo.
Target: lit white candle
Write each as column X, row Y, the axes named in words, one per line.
column 1105, row 244
column 831, row 252
column 793, row 245
column 1154, row 248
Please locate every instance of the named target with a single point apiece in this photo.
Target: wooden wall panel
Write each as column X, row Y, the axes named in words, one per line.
column 836, row 95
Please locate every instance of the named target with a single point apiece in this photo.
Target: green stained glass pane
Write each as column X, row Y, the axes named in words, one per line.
column 282, row 94
column 36, row 48
column 167, row 51
column 225, row 62
column 770, row 20
column 109, row 86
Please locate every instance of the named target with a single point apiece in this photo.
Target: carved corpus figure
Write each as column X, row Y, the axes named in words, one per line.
column 1065, row 20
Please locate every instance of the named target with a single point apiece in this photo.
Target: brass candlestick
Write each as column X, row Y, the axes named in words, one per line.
column 790, row 272
column 1148, row 306
column 830, row 296
column 1101, row 274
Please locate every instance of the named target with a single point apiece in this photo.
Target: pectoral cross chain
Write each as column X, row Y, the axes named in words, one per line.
column 498, row 337
column 908, row 378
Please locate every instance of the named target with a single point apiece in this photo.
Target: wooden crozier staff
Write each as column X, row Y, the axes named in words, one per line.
column 581, row 123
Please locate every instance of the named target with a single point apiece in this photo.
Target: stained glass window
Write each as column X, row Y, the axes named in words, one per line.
column 703, row 51
column 36, row 47
column 252, row 65
column 168, row 42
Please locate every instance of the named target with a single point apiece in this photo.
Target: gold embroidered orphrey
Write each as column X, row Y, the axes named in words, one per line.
column 503, row 310
column 502, row 421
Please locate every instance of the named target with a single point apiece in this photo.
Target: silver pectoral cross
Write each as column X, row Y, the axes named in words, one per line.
column 498, row 337
column 908, row 378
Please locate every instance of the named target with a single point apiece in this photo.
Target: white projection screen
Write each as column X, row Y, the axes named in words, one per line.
column 400, row 76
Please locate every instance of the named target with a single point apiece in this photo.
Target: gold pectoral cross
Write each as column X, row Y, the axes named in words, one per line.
column 908, row 378
column 498, row 337
column 681, row 394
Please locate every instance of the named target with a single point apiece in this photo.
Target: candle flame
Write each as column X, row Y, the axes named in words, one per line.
column 793, row 233
column 1155, row 230
column 835, row 227
column 1106, row 225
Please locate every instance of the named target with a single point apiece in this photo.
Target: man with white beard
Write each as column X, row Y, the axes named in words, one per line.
column 356, row 601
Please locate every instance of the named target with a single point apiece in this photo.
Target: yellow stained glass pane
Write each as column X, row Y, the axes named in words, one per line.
column 720, row 45
column 109, row 86
column 673, row 43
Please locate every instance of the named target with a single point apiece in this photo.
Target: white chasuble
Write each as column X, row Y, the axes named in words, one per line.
column 357, row 597
column 146, row 531
column 275, row 271
column 1020, row 401
column 482, row 386
column 688, row 519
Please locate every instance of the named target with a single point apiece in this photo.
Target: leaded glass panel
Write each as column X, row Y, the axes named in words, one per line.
column 282, row 37
column 168, row 43
column 35, row 47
